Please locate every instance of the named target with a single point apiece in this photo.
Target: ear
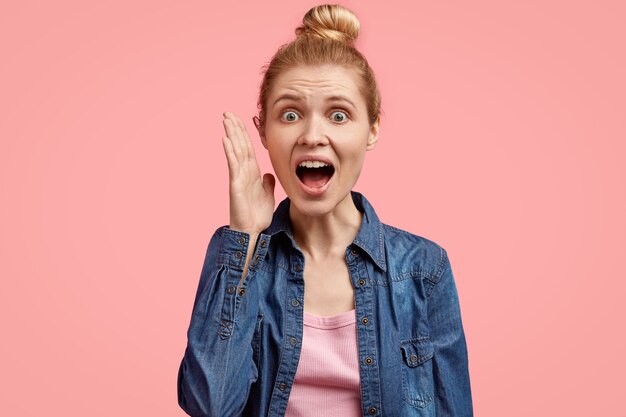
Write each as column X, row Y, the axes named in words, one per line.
column 257, row 124
column 373, row 137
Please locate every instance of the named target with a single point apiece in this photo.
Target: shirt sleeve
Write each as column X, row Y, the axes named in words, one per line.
column 450, row 360
column 217, row 369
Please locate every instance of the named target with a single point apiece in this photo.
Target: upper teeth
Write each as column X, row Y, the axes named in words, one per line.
column 313, row 164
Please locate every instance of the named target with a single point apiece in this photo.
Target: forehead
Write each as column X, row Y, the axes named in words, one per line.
column 317, row 82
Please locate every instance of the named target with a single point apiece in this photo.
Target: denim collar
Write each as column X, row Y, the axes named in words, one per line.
column 370, row 237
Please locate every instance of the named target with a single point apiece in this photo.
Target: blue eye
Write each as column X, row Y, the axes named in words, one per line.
column 342, row 116
column 290, row 116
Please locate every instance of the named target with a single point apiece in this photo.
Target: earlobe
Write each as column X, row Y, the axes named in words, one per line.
column 373, row 137
column 371, row 143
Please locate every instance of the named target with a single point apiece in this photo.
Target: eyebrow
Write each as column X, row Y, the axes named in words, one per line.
column 301, row 98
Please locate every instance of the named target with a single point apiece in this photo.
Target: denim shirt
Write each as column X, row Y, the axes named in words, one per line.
column 243, row 346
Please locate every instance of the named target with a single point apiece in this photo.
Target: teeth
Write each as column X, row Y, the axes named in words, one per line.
column 313, row 164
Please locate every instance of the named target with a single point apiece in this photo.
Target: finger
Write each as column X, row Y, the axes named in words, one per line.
column 233, row 136
column 241, row 128
column 231, row 158
column 239, row 141
column 237, row 120
column 251, row 150
column 247, row 141
column 243, row 138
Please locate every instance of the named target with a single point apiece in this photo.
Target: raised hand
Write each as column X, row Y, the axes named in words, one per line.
column 251, row 197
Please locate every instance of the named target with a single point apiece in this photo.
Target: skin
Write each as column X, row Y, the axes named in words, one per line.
column 323, row 224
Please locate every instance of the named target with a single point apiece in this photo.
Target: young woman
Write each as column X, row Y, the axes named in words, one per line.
column 318, row 308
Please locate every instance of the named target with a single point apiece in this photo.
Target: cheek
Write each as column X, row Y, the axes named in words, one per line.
column 279, row 156
column 352, row 157
column 353, row 146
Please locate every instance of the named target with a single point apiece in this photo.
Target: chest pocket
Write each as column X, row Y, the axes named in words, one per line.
column 417, row 371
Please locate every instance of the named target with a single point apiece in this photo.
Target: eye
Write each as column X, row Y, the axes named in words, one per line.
column 290, row 116
column 339, row 116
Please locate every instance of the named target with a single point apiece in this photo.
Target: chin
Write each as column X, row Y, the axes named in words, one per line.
column 314, row 209
column 317, row 206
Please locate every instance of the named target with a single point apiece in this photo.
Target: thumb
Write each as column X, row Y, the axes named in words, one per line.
column 268, row 183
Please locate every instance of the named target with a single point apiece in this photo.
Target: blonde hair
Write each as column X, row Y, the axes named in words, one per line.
column 326, row 36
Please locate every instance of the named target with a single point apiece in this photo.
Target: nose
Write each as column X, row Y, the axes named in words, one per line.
column 314, row 132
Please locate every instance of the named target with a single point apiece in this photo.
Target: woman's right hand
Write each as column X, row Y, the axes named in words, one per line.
column 251, row 197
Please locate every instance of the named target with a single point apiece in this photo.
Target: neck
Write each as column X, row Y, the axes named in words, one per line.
column 328, row 235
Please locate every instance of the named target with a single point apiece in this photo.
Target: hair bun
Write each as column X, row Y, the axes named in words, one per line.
column 330, row 21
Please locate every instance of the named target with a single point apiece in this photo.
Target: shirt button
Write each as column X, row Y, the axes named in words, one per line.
column 369, row 361
column 231, row 289
column 293, row 341
column 258, row 257
column 241, row 240
column 365, row 320
column 372, row 410
column 282, row 386
column 263, row 243
column 295, row 302
column 413, row 358
column 238, row 254
column 353, row 251
column 296, row 268
column 361, row 282
column 242, row 292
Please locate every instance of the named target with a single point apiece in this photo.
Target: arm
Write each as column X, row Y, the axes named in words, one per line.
column 450, row 361
column 217, row 369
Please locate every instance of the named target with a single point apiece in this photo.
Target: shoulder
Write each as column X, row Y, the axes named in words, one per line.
column 411, row 255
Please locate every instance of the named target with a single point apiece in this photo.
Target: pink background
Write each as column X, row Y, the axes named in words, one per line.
column 503, row 139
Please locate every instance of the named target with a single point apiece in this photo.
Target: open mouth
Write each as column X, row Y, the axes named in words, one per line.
column 314, row 174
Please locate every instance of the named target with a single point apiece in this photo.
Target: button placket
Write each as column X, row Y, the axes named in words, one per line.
column 366, row 332
column 260, row 252
column 291, row 345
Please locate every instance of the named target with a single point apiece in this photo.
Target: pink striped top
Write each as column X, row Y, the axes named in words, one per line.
column 327, row 379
